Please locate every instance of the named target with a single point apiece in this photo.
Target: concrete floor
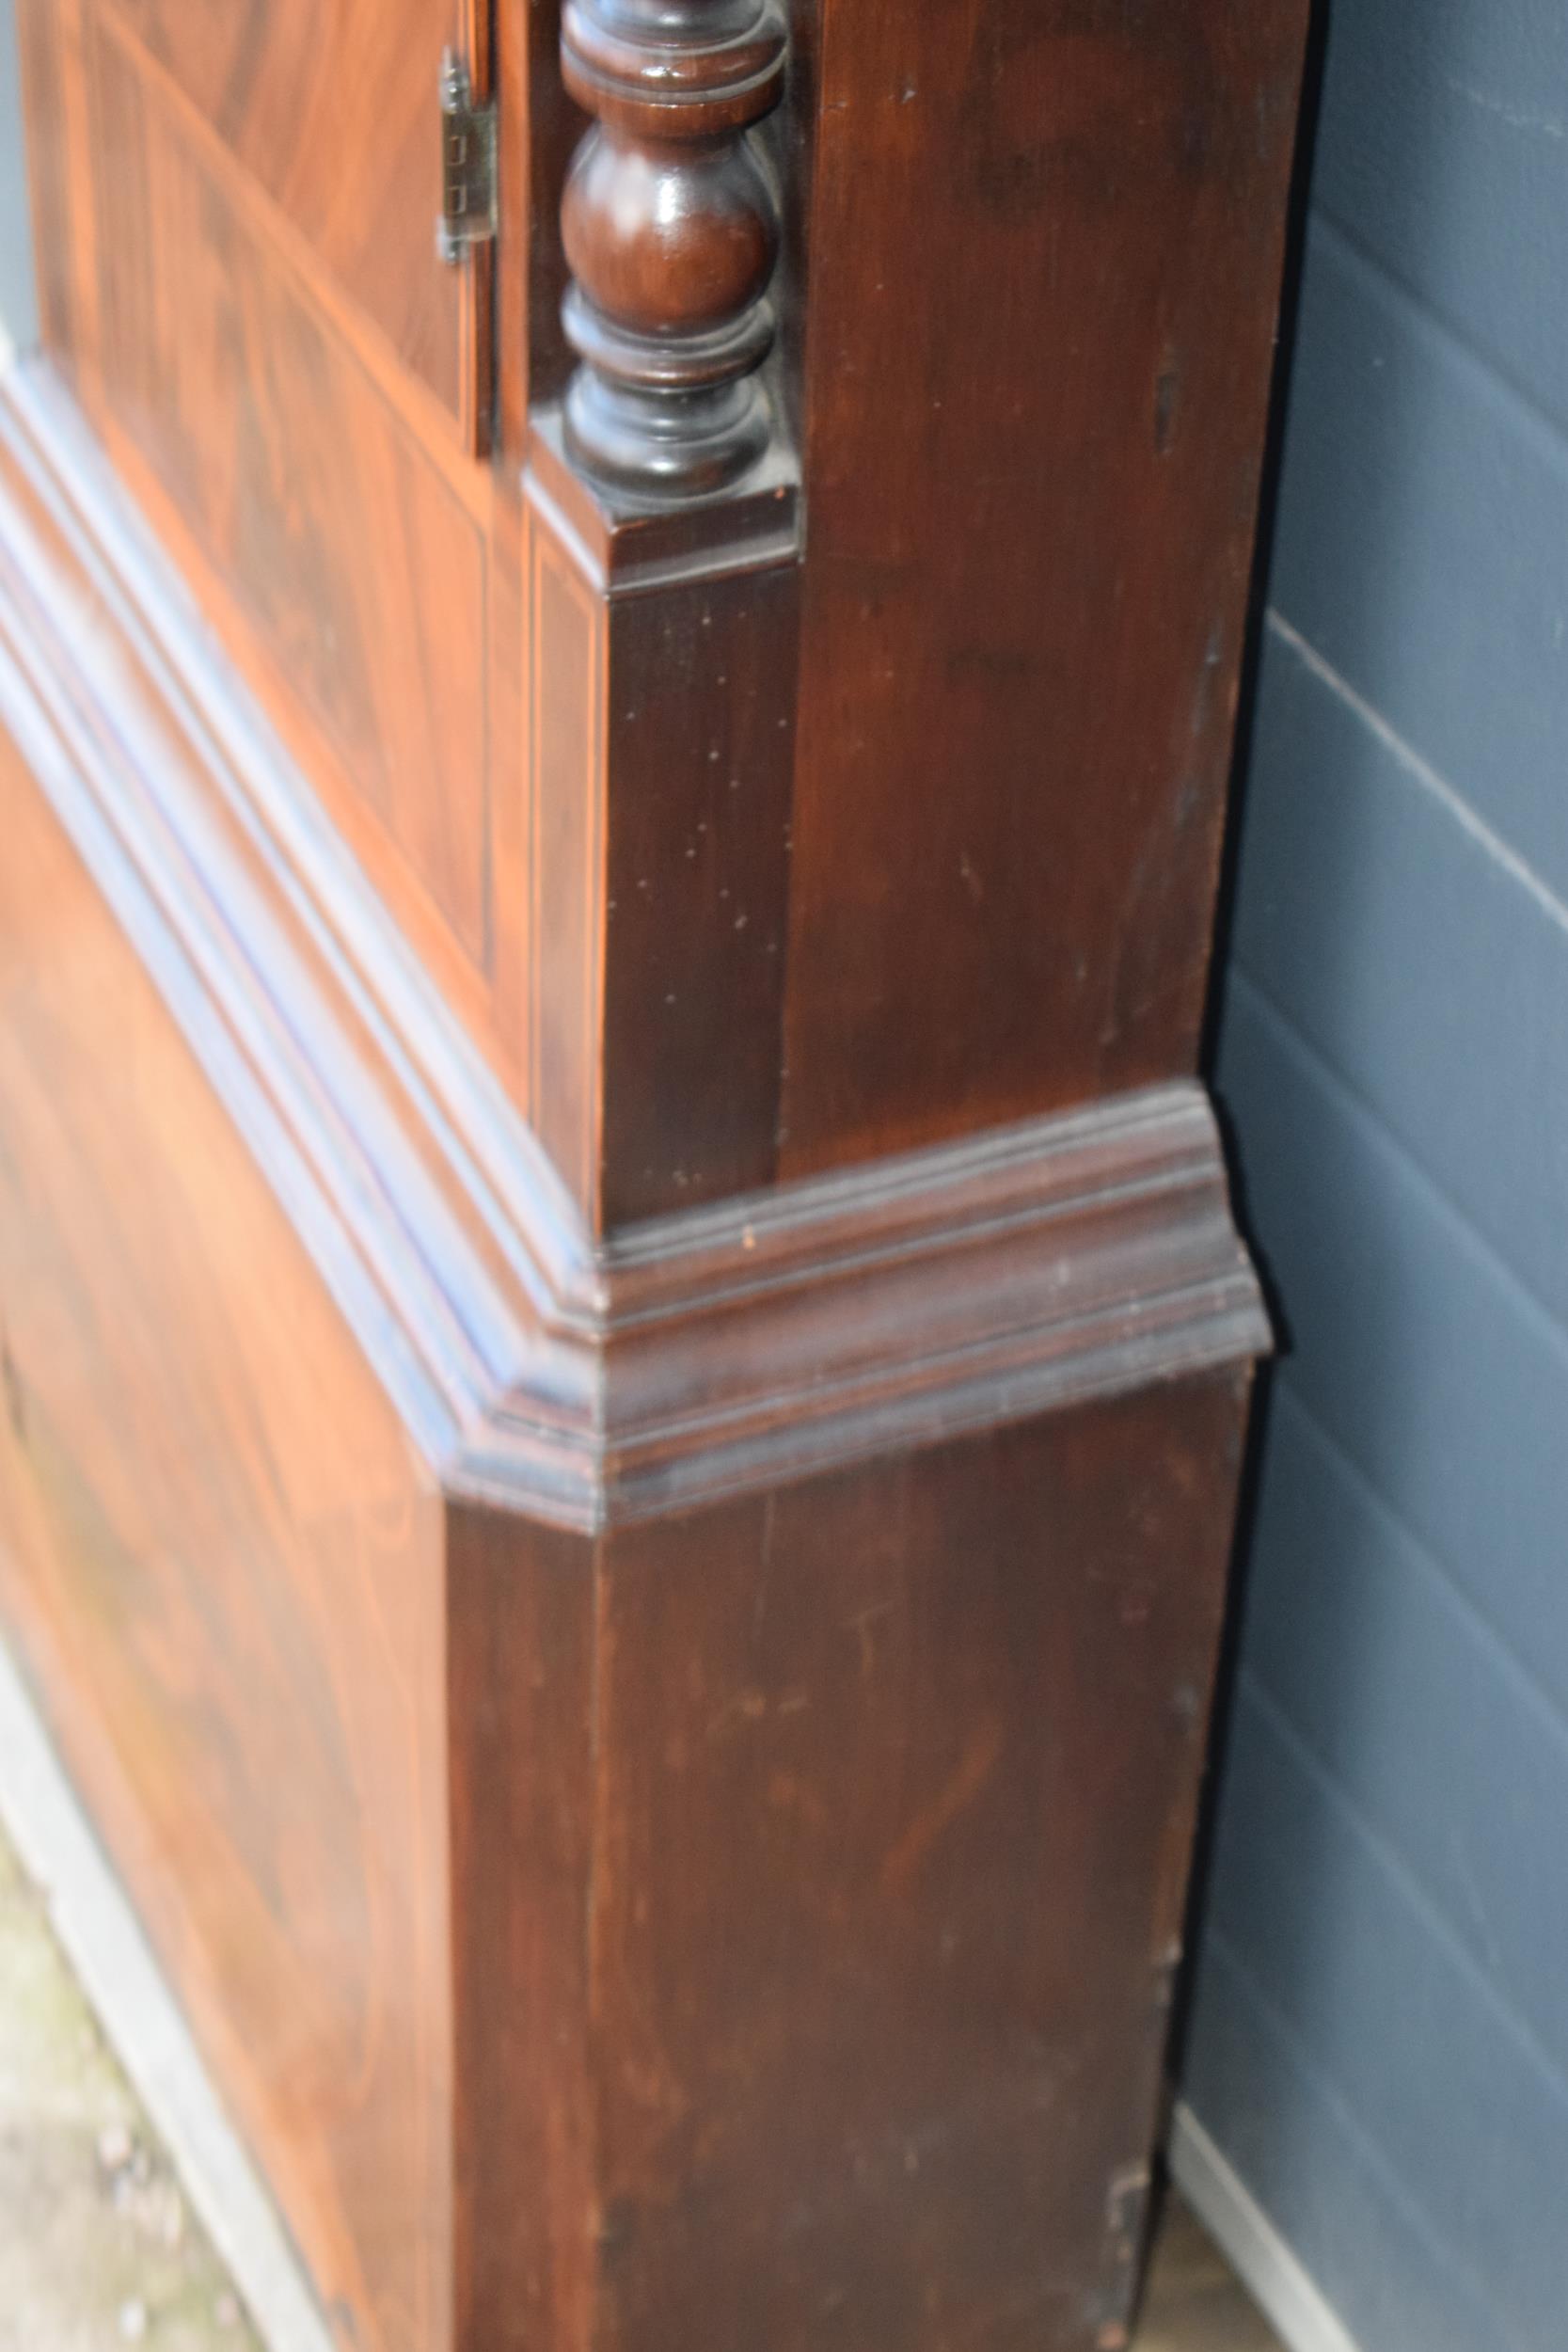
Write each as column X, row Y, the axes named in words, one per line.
column 99, row 2248
column 1194, row 2303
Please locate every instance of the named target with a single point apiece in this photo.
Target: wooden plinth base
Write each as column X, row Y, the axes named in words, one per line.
column 662, row 1771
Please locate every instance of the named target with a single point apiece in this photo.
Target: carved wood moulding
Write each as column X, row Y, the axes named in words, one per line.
column 586, row 1381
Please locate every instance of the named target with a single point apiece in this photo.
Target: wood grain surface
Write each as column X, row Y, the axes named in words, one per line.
column 222, row 1558
column 625, row 1354
column 328, row 106
column 581, row 1376
column 314, row 491
column 1036, row 365
column 363, row 575
column 880, row 1789
column 978, row 815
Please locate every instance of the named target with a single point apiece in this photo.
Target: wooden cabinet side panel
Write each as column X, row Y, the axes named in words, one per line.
column 568, row 633
column 522, row 1679
column 700, row 727
column 896, row 1789
column 221, row 1561
column 1045, row 253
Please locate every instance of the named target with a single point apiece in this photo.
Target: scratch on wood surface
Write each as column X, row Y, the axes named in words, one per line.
column 862, row 1624
column 742, row 1707
column 928, row 1824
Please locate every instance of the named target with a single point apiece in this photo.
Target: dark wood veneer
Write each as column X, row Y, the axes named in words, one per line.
column 327, row 105
column 623, row 1352
column 584, row 1378
column 862, row 2042
column 669, row 226
column 231, row 1601
column 1036, row 365
column 1018, row 445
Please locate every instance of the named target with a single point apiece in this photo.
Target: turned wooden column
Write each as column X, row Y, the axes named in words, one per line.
column 670, row 229
column 664, row 521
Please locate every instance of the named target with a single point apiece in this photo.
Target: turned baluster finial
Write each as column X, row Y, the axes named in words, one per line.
column 671, row 229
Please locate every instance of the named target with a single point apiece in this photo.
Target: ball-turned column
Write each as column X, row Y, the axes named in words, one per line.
column 671, row 227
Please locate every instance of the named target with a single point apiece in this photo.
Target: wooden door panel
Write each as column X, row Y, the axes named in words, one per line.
column 360, row 569
column 330, row 105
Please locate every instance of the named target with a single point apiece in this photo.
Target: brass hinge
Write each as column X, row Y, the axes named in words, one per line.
column 468, row 164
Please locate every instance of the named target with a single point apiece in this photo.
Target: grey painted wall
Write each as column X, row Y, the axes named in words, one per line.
column 1380, row 2035
column 16, row 276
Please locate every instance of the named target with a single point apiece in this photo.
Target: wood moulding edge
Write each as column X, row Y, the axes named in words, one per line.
column 716, row 1352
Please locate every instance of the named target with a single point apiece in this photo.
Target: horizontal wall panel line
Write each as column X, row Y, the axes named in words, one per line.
column 1440, row 326
column 1217, row 1945
column 1421, row 771
column 1419, row 552
column 1242, row 1994
column 1527, row 1688
column 1511, row 2026
column 1334, row 1081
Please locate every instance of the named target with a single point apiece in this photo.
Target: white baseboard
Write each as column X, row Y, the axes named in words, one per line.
column 1284, row 2293
column 107, row 1948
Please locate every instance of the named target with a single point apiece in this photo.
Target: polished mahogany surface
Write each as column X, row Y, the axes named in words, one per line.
column 625, row 1351
column 1044, row 253
column 882, row 1788
column 220, row 1557
column 327, row 104
column 1023, row 329
column 220, row 322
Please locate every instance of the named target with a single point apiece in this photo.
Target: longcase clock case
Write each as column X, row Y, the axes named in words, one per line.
column 623, row 1351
